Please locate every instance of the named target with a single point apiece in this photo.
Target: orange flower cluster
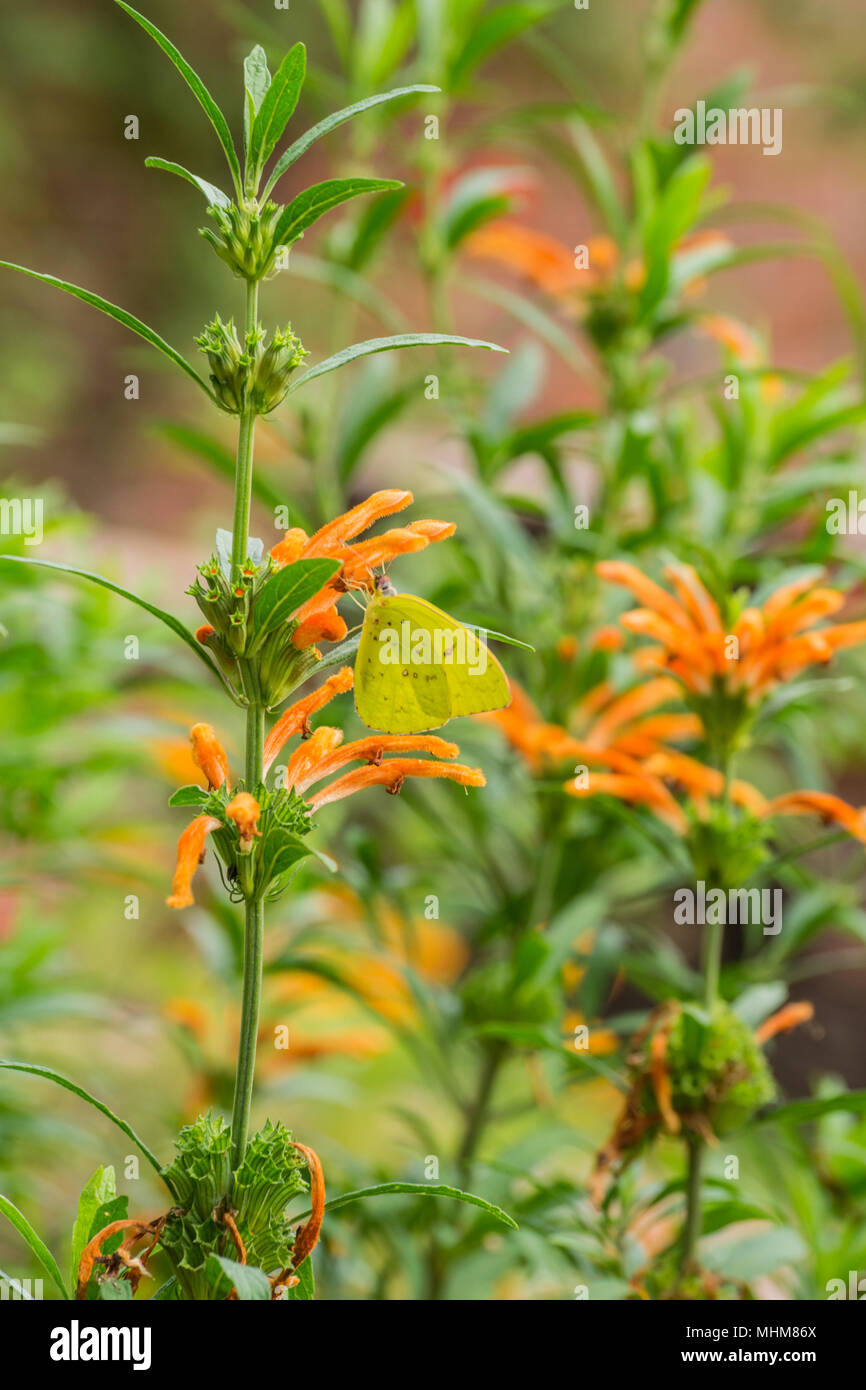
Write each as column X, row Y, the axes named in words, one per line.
column 550, row 264
column 318, row 619
column 766, row 646
column 321, row 754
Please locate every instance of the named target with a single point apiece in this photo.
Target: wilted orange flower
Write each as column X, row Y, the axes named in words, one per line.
column 244, row 810
column 766, row 645
column 318, row 619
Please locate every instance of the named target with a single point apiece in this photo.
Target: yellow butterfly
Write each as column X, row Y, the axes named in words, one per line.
column 417, row 667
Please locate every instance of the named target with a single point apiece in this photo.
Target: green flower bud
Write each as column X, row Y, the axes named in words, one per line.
column 249, row 374
column 244, row 237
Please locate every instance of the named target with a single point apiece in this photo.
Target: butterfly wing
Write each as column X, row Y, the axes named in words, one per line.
column 476, row 680
column 395, row 697
column 449, row 673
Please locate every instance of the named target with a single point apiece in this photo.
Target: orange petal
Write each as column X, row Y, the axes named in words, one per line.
column 831, row 809
column 641, row 789
column 369, row 750
column 695, row 596
column 787, row 594
column 290, row 548
column 295, row 718
column 190, row 851
column 328, row 626
column 542, row 259
column 209, row 755
column 358, row 519
column 788, row 1017
column 646, row 590
column 629, row 706
column 392, row 774
column 310, row 753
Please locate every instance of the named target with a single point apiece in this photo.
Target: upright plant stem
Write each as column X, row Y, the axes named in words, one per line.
column 712, row 966
column 254, row 915
column 244, row 465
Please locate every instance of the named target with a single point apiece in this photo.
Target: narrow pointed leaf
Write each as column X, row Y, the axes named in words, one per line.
column 121, row 315
column 305, row 1290
column 402, row 340
column 314, row 202
column 60, row 1080
column 168, row 619
column 38, row 1246
column 248, row 1282
column 214, row 195
column 257, row 80
column 197, row 87
column 337, row 118
column 277, row 107
column 417, row 1189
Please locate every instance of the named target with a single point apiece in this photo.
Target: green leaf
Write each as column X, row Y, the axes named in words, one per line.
column 249, row 1283
column 802, row 1111
column 39, row 1248
column 402, row 340
column 306, row 1289
column 492, row 31
column 277, row 108
column 337, row 118
column 115, row 1290
column 100, row 1189
column 314, row 202
column 257, row 80
column 197, row 87
column 51, row 1075
column 214, row 195
column 168, row 619
column 417, row 1189
column 283, row 592
column 121, row 315
column 189, row 796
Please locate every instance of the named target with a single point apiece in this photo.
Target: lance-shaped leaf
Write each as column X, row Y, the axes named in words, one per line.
column 277, row 108
column 417, row 1189
column 168, row 619
column 224, row 1274
column 37, row 1245
column 121, row 315
column 60, row 1080
column 197, row 87
column 284, row 592
column 214, row 195
column 337, row 118
column 257, row 80
column 314, row 202
column 402, row 340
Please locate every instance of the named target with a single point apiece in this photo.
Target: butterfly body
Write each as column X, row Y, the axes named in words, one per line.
column 417, row 667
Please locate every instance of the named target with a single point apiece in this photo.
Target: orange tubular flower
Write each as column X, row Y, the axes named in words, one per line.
column 767, row 645
column 831, row 809
column 190, row 852
column 788, row 1017
column 392, row 775
column 296, row 719
column 318, row 618
column 209, row 755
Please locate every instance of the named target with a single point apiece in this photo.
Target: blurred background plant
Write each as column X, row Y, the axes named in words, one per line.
column 685, row 382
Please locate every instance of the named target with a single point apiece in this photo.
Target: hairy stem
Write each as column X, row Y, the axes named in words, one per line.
column 254, row 933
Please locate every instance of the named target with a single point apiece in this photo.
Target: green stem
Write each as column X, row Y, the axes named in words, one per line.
column 244, row 466
column 254, row 915
column 254, row 933
column 476, row 1118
